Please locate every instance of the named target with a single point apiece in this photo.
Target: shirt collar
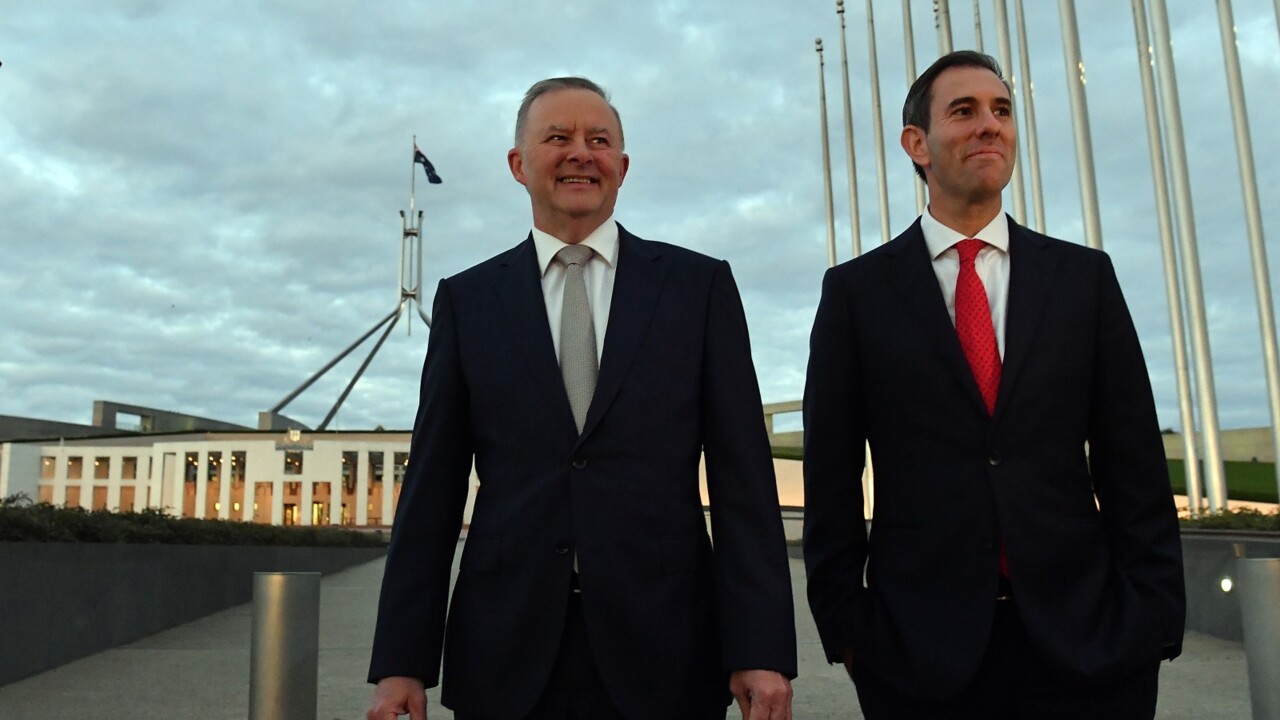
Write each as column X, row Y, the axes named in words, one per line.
column 604, row 240
column 939, row 238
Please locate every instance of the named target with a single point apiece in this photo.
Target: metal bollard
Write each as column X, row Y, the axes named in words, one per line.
column 285, row 649
column 1258, row 581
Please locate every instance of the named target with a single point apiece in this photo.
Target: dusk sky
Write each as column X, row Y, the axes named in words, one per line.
column 199, row 201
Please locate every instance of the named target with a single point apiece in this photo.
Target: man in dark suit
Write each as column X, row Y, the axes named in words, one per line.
column 1023, row 560
column 588, row 585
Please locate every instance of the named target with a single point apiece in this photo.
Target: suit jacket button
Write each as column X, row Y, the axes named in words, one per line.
column 579, row 463
column 994, row 458
column 562, row 548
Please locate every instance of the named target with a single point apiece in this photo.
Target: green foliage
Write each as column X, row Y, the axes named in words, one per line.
column 22, row 520
column 1252, row 481
column 1245, row 519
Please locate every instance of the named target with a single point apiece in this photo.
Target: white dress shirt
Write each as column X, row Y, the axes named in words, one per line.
column 992, row 265
column 598, row 274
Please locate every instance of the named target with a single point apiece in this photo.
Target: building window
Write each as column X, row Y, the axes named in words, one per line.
column 75, row 468
column 238, row 466
column 129, row 468
column 190, row 468
column 47, row 466
column 293, row 462
column 375, row 470
column 402, row 462
column 214, row 466
column 101, row 468
column 349, row 461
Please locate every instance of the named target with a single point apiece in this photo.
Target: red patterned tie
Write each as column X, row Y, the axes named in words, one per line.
column 973, row 324
column 978, row 336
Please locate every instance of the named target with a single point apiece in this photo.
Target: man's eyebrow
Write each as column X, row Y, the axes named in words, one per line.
column 971, row 100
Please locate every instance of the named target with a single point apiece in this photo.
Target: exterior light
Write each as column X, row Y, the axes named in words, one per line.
column 1226, row 584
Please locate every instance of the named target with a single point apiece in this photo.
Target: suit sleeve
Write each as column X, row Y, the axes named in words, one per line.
column 1130, row 474
column 835, row 434
column 752, row 570
column 409, row 637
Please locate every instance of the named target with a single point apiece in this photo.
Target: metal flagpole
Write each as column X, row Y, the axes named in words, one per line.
column 1006, row 60
column 1253, row 218
column 1029, row 117
column 1080, row 122
column 1215, row 481
column 826, row 159
column 854, row 225
column 878, row 125
column 942, row 21
column 977, row 26
column 1173, row 294
column 910, row 44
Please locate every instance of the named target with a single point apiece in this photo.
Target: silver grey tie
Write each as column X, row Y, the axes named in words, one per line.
column 578, row 362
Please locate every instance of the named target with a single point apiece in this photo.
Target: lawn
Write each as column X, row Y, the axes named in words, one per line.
column 1253, row 481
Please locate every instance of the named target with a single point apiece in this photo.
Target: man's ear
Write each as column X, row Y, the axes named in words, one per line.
column 916, row 145
column 516, row 163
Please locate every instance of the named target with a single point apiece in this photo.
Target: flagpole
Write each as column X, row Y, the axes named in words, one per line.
column 910, row 43
column 826, row 159
column 977, row 25
column 1172, row 289
column 1253, row 218
column 877, row 117
column 942, row 21
column 1080, row 121
column 1215, row 480
column 854, row 220
column 413, row 174
column 1029, row 117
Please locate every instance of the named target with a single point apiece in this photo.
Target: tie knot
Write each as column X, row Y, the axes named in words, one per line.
column 574, row 255
column 968, row 249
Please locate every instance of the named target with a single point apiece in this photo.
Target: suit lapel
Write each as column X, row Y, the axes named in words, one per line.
column 637, row 284
column 917, row 286
column 520, row 287
column 1031, row 271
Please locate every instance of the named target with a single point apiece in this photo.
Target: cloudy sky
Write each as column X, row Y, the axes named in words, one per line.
column 199, row 201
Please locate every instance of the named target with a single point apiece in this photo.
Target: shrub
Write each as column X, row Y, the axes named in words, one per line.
column 22, row 520
column 1245, row 519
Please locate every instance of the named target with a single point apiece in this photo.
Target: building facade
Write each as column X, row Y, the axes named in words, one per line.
column 291, row 477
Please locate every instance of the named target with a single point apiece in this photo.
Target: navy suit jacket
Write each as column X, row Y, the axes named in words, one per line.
column 1070, row 471
column 668, row 616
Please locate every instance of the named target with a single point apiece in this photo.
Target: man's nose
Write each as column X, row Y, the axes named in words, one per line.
column 579, row 151
column 991, row 123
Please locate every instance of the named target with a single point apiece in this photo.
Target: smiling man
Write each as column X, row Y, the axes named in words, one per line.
column 1023, row 559
column 585, row 372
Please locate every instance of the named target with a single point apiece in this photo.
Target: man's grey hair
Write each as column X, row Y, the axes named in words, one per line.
column 542, row 87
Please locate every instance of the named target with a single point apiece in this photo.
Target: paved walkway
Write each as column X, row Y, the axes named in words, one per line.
column 200, row 671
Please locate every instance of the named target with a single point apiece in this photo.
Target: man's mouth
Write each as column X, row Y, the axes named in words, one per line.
column 573, row 179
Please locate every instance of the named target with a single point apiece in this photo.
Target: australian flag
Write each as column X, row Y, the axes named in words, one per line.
column 420, row 159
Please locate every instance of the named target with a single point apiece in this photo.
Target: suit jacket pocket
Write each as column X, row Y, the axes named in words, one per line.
column 482, row 554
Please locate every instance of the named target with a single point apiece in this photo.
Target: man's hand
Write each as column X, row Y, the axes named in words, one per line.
column 761, row 694
column 396, row 696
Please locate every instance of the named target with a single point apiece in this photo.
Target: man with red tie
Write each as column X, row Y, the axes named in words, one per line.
column 1023, row 560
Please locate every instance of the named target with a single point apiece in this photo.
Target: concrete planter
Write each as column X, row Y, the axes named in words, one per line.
column 1208, row 556
column 63, row 601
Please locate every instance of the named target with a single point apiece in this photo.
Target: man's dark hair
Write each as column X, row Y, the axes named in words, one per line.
column 915, row 109
column 542, row 87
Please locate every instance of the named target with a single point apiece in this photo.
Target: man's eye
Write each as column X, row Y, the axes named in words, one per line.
column 600, row 141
